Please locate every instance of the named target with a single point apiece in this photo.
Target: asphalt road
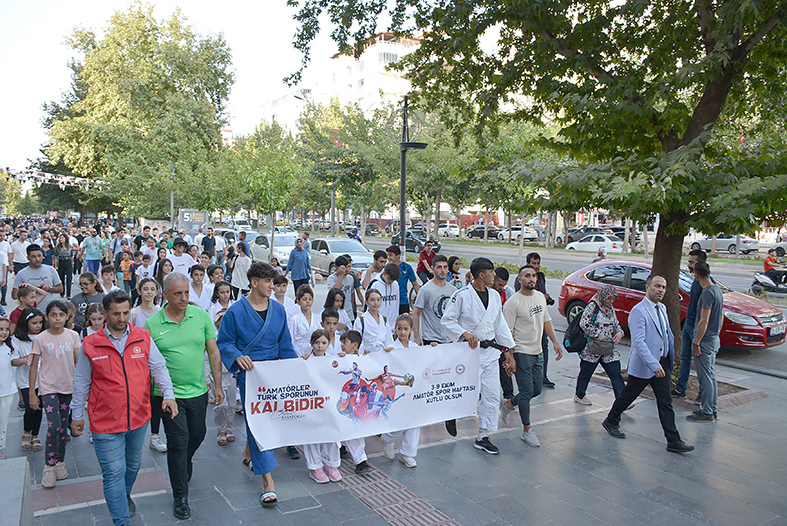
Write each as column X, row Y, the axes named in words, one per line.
column 737, row 276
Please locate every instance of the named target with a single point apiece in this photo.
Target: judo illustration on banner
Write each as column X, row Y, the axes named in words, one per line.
column 363, row 400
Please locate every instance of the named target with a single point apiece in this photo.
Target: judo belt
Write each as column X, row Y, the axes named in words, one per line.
column 492, row 343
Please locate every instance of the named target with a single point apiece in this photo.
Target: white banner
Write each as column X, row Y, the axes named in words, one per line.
column 331, row 398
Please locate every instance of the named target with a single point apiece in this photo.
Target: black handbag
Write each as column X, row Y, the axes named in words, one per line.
column 600, row 347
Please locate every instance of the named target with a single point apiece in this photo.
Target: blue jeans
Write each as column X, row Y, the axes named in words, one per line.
column 705, row 364
column 94, row 266
column 586, row 370
column 685, row 360
column 119, row 455
column 529, row 380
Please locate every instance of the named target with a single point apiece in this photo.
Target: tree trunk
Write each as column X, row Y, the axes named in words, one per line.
column 273, row 235
column 363, row 223
column 522, row 238
column 509, row 226
column 667, row 253
column 626, row 235
column 486, row 227
column 645, row 238
column 438, row 201
column 713, row 245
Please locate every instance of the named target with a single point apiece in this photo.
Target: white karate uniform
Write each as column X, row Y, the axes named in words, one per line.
column 466, row 313
column 216, row 307
column 376, row 336
column 202, row 301
column 319, row 455
column 345, row 319
column 357, row 449
column 410, row 437
column 301, row 331
column 390, row 304
column 289, row 305
column 336, row 348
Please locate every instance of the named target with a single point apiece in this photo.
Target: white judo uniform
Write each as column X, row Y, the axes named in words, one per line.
column 376, row 335
column 410, row 437
column 466, row 313
column 301, row 330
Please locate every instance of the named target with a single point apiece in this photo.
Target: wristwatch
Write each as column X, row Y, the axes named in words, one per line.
column 695, row 344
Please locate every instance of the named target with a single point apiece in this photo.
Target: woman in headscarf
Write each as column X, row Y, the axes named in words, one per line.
column 599, row 321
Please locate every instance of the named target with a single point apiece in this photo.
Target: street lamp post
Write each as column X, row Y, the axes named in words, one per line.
column 172, row 196
column 411, row 125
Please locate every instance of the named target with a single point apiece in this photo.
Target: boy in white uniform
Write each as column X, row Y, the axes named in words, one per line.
column 475, row 315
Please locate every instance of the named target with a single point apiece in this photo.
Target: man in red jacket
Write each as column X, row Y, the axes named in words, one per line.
column 113, row 376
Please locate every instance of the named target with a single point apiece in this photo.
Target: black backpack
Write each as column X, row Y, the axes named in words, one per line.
column 575, row 339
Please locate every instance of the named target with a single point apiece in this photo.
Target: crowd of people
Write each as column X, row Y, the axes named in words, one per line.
column 159, row 331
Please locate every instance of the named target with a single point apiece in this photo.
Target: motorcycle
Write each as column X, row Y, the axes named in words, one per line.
column 763, row 284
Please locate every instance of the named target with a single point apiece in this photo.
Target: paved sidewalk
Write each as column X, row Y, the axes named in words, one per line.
column 579, row 475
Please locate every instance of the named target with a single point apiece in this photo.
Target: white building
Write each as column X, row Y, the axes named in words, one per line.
column 364, row 81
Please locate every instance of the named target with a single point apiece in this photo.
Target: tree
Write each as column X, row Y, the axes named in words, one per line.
column 636, row 89
column 147, row 97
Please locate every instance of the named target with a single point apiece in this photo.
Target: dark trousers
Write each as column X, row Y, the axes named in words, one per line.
column 505, row 379
column 185, row 433
column 776, row 275
column 425, row 276
column 545, row 352
column 64, row 271
column 404, row 308
column 298, row 282
column 32, row 418
column 661, row 388
column 586, row 370
column 4, row 291
column 156, row 414
column 529, row 380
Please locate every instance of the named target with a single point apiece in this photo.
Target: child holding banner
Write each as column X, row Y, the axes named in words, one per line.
column 321, row 457
column 351, row 344
column 373, row 326
column 330, row 322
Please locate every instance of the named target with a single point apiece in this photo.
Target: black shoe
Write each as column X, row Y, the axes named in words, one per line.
column 343, row 453
column 679, row 447
column 3, row 303
column 293, row 453
column 181, row 509
column 549, row 383
column 486, row 445
column 613, row 429
column 132, row 508
column 450, row 426
column 678, row 394
column 363, row 468
column 699, row 416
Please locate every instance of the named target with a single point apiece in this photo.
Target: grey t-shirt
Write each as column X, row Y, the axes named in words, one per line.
column 432, row 301
column 713, row 299
column 43, row 275
column 347, row 286
column 82, row 301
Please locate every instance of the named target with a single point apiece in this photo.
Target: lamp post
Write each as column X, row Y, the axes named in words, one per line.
column 172, row 196
column 406, row 137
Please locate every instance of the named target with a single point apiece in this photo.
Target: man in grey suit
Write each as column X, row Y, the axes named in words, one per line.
column 650, row 363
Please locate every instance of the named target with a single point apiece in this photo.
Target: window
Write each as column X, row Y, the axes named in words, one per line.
column 610, row 274
column 598, row 239
column 586, row 239
column 638, row 278
column 387, row 58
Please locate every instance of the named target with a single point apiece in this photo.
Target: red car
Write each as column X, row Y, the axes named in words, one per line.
column 748, row 322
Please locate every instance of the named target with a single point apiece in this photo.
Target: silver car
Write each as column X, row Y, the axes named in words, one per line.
column 282, row 246
column 726, row 242
column 327, row 249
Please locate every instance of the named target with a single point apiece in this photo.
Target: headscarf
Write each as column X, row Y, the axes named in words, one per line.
column 606, row 292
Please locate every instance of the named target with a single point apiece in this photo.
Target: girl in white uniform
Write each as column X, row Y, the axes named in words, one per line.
column 304, row 322
column 221, row 298
column 321, row 458
column 408, row 449
column 373, row 326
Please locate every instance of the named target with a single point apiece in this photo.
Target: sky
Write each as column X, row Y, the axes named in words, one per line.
column 34, row 58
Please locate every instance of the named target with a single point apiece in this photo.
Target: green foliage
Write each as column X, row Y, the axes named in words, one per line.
column 150, row 95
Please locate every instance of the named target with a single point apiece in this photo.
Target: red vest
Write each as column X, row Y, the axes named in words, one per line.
column 120, row 388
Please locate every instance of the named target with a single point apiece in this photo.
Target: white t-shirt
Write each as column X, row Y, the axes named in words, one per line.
column 7, row 381
column 5, row 247
column 20, row 251
column 221, row 244
column 390, row 305
column 182, row 263
column 142, row 272
column 526, row 316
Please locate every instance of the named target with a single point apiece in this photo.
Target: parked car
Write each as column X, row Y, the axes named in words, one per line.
column 748, row 322
column 781, row 248
column 575, row 234
column 529, row 234
column 726, row 242
column 282, row 246
column 239, row 224
column 325, row 250
column 285, row 230
column 415, row 241
column 448, row 230
column 373, row 229
column 634, row 235
column 477, row 231
column 231, row 236
column 594, row 242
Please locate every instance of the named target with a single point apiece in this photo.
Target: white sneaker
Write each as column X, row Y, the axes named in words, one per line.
column 530, row 438
column 408, row 461
column 157, row 444
column 389, row 451
column 504, row 410
column 584, row 400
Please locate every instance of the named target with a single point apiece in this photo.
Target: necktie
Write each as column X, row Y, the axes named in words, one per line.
column 662, row 328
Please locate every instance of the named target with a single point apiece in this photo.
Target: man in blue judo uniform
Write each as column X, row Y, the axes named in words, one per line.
column 254, row 329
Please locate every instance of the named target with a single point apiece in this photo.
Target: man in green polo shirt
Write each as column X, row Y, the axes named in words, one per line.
column 182, row 332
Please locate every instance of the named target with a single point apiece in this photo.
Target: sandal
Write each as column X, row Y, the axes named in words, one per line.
column 26, row 441
column 269, row 503
column 221, row 439
column 248, row 464
column 230, row 437
column 36, row 444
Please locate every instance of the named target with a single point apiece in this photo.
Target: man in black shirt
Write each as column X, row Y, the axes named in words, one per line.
column 209, row 244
